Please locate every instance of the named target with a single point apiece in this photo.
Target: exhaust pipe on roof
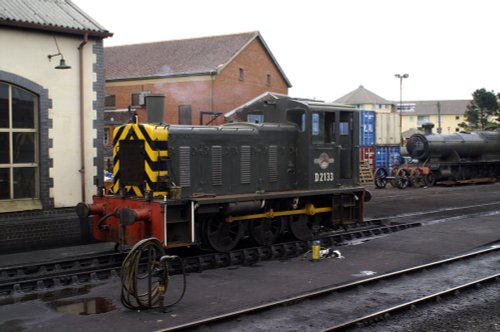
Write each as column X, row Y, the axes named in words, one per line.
column 155, row 108
column 428, row 128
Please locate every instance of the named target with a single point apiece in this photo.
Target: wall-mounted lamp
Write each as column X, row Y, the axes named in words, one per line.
column 62, row 62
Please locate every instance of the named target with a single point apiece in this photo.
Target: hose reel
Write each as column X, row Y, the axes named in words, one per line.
column 145, row 275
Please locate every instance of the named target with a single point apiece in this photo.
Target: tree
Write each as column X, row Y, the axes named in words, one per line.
column 498, row 110
column 482, row 108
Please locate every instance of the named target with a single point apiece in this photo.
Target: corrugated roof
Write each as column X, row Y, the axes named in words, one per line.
column 178, row 57
column 51, row 15
column 362, row 96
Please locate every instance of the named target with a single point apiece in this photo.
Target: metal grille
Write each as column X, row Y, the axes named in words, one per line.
column 272, row 166
column 185, row 166
column 245, row 164
column 216, row 157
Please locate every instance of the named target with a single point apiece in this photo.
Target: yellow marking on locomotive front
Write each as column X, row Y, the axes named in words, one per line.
column 148, row 134
column 153, row 175
column 116, row 186
column 137, row 191
column 124, row 134
column 160, row 133
column 116, row 168
column 309, row 210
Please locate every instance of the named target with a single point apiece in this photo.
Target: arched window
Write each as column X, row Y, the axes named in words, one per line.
column 19, row 151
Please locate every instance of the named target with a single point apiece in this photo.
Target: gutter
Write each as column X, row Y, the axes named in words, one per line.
column 154, row 77
column 82, row 117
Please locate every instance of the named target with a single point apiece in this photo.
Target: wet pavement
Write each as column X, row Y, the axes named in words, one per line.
column 97, row 307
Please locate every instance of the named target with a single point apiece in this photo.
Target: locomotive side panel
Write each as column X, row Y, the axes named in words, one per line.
column 244, row 159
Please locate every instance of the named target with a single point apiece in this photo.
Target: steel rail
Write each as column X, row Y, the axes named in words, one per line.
column 72, row 271
column 68, row 279
column 410, row 304
column 429, row 213
column 47, row 267
column 252, row 255
column 323, row 292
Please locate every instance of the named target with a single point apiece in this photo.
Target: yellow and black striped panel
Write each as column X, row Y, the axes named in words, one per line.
column 153, row 140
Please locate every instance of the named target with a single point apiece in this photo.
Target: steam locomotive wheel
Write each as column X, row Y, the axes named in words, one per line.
column 301, row 227
column 430, row 179
column 417, row 178
column 221, row 236
column 380, row 178
column 265, row 231
column 402, row 179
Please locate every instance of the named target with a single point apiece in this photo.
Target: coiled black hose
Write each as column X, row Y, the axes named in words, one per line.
column 145, row 288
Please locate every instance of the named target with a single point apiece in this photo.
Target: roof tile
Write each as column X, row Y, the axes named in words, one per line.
column 173, row 58
column 197, row 56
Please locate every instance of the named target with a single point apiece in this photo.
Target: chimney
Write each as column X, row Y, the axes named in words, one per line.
column 155, row 106
column 428, row 128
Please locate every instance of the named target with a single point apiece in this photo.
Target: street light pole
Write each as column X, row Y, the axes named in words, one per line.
column 401, row 77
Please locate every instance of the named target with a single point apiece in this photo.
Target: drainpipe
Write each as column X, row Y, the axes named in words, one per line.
column 82, row 125
column 212, row 77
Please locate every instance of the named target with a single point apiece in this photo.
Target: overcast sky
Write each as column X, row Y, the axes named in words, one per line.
column 328, row 48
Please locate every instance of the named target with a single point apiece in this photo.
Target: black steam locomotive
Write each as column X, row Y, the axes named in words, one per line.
column 295, row 171
column 459, row 156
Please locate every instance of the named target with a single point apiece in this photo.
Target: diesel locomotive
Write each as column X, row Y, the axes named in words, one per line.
column 295, row 170
column 456, row 157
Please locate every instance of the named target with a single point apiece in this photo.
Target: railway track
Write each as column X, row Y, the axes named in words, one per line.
column 364, row 302
column 87, row 269
column 443, row 214
column 80, row 270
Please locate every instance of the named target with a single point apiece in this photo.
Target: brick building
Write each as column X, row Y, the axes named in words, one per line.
column 201, row 78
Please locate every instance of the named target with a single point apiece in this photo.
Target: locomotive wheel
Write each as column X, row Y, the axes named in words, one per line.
column 265, row 231
column 394, row 180
column 301, row 227
column 220, row 235
column 417, row 178
column 380, row 178
column 402, row 179
column 430, row 179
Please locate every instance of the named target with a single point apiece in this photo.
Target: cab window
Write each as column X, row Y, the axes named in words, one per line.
column 298, row 117
column 255, row 118
column 344, row 128
column 318, row 128
column 323, row 127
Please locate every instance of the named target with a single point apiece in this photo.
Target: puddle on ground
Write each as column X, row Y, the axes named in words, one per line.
column 47, row 296
column 83, row 306
column 58, row 301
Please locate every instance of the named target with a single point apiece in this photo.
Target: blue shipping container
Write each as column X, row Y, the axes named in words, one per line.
column 366, row 128
column 387, row 156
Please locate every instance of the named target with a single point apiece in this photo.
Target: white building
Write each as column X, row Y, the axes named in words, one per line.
column 51, row 111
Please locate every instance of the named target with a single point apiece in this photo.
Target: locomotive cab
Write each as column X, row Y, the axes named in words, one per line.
column 327, row 141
